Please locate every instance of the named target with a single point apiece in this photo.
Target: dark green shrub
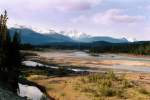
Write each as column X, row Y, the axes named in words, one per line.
column 106, row 91
column 111, row 75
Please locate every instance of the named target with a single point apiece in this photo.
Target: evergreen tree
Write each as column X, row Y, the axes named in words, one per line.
column 10, row 59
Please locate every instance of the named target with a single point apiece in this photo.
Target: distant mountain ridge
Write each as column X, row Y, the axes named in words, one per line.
column 83, row 37
column 30, row 36
column 104, row 38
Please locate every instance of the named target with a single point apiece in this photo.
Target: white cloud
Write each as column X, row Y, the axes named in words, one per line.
column 77, row 5
column 116, row 16
column 61, row 5
column 110, row 16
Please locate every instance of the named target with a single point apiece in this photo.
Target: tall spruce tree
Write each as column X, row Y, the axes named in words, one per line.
column 3, row 46
column 10, row 59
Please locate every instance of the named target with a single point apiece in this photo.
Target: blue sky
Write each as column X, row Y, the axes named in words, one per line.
column 116, row 18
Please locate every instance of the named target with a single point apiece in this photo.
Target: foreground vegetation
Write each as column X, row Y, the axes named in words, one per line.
column 111, row 87
column 95, row 86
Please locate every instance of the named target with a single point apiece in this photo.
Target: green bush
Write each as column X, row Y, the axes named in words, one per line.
column 95, row 78
column 111, row 75
column 106, row 91
column 105, row 82
column 126, row 84
column 119, row 92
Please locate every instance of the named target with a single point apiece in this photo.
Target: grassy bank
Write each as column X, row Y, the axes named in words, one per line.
column 95, row 86
column 112, row 87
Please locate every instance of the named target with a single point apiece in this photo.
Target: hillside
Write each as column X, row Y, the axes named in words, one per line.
column 29, row 36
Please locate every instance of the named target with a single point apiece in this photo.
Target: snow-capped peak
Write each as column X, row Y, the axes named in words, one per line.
column 132, row 39
column 36, row 29
column 75, row 34
column 21, row 26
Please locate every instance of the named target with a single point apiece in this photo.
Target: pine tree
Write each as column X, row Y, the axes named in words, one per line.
column 3, row 46
column 10, row 59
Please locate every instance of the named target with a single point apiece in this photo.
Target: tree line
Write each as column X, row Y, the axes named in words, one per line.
column 139, row 48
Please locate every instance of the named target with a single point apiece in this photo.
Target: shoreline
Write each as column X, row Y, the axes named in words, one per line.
column 56, row 87
column 41, row 88
column 86, row 61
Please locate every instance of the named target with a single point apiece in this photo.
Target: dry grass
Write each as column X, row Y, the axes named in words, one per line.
column 107, row 86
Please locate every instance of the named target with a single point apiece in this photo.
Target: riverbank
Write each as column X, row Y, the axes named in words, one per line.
column 79, row 59
column 72, row 87
column 61, row 74
column 62, row 84
column 24, row 83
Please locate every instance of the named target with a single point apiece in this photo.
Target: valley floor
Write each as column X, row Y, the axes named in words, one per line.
column 98, row 62
column 130, row 80
column 76, row 88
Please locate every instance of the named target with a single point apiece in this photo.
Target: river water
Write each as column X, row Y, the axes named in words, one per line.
column 79, row 58
column 112, row 61
column 31, row 92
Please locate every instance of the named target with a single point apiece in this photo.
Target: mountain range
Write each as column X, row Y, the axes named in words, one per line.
column 30, row 36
